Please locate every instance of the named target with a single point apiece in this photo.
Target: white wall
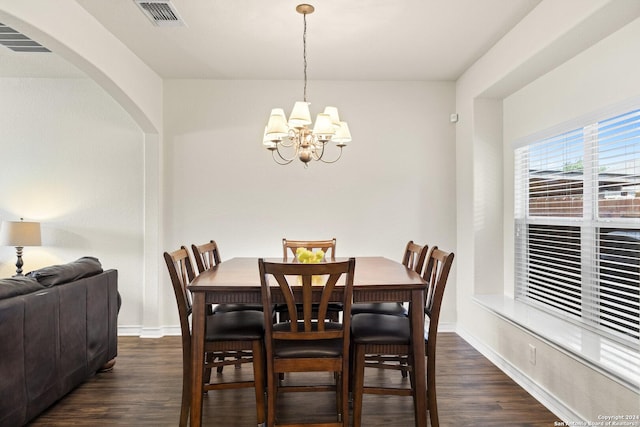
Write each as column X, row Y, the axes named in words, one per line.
column 394, row 182
column 604, row 75
column 75, row 35
column 81, row 164
column 544, row 70
column 72, row 159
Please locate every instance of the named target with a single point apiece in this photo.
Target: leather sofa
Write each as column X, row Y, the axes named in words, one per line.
column 58, row 327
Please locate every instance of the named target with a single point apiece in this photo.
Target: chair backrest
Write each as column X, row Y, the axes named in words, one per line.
column 181, row 274
column 414, row 256
column 292, row 245
column 436, row 272
column 305, row 284
column 206, row 255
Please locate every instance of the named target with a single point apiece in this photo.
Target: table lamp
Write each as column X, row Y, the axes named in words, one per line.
column 20, row 234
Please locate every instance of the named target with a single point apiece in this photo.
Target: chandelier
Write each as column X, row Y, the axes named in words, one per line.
column 296, row 138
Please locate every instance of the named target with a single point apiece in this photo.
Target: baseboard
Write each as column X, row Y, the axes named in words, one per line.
column 562, row 411
column 129, row 331
column 142, row 332
column 447, row 327
column 172, row 331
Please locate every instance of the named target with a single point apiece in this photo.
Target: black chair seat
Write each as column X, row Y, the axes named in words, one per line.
column 226, row 308
column 392, row 308
column 307, row 349
column 235, row 326
column 370, row 328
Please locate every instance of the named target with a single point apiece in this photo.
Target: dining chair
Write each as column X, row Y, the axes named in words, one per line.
column 328, row 246
column 237, row 331
column 413, row 258
column 387, row 334
column 207, row 256
column 329, row 249
column 308, row 343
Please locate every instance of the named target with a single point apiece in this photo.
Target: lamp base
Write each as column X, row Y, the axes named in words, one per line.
column 19, row 262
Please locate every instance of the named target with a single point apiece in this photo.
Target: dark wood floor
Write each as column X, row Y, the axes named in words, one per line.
column 144, row 390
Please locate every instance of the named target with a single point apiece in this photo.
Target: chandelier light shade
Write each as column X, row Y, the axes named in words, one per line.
column 299, row 137
column 20, row 234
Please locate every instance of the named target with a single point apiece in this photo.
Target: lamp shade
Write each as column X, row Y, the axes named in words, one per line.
column 323, row 125
column 277, row 126
column 342, row 135
column 20, row 233
column 267, row 140
column 333, row 113
column 300, row 115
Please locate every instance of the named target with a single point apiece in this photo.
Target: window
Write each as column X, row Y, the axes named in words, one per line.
column 577, row 225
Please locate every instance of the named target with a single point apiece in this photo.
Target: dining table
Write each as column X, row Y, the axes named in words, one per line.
column 376, row 279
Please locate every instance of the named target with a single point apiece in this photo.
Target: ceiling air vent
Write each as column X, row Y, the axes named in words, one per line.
column 160, row 12
column 19, row 42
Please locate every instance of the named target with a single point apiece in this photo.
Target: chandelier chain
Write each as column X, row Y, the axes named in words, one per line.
column 304, row 55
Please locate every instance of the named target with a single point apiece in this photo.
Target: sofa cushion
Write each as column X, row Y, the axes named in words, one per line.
column 19, row 285
column 64, row 273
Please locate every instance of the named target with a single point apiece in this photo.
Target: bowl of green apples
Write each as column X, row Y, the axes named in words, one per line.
column 305, row 256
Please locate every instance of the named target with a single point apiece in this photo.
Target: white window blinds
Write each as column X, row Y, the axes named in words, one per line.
column 577, row 219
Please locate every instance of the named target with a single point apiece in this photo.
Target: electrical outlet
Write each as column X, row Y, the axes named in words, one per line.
column 532, row 354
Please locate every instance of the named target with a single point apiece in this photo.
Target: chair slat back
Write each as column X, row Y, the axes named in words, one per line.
column 206, row 255
column 414, row 256
column 298, row 284
column 328, row 246
column 436, row 272
column 181, row 274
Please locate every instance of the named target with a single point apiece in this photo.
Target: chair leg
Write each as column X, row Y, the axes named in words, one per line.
column 185, row 405
column 358, row 384
column 339, row 397
column 412, row 380
column 258, row 378
column 238, row 364
column 403, row 369
column 432, row 403
column 272, row 381
column 221, row 367
column 344, row 392
column 433, row 407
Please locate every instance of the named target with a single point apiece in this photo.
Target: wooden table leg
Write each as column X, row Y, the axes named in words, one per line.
column 197, row 356
column 417, row 338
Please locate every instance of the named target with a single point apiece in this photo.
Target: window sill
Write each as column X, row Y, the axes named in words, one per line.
column 617, row 361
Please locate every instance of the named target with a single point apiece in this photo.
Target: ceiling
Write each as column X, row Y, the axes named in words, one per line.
column 258, row 39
